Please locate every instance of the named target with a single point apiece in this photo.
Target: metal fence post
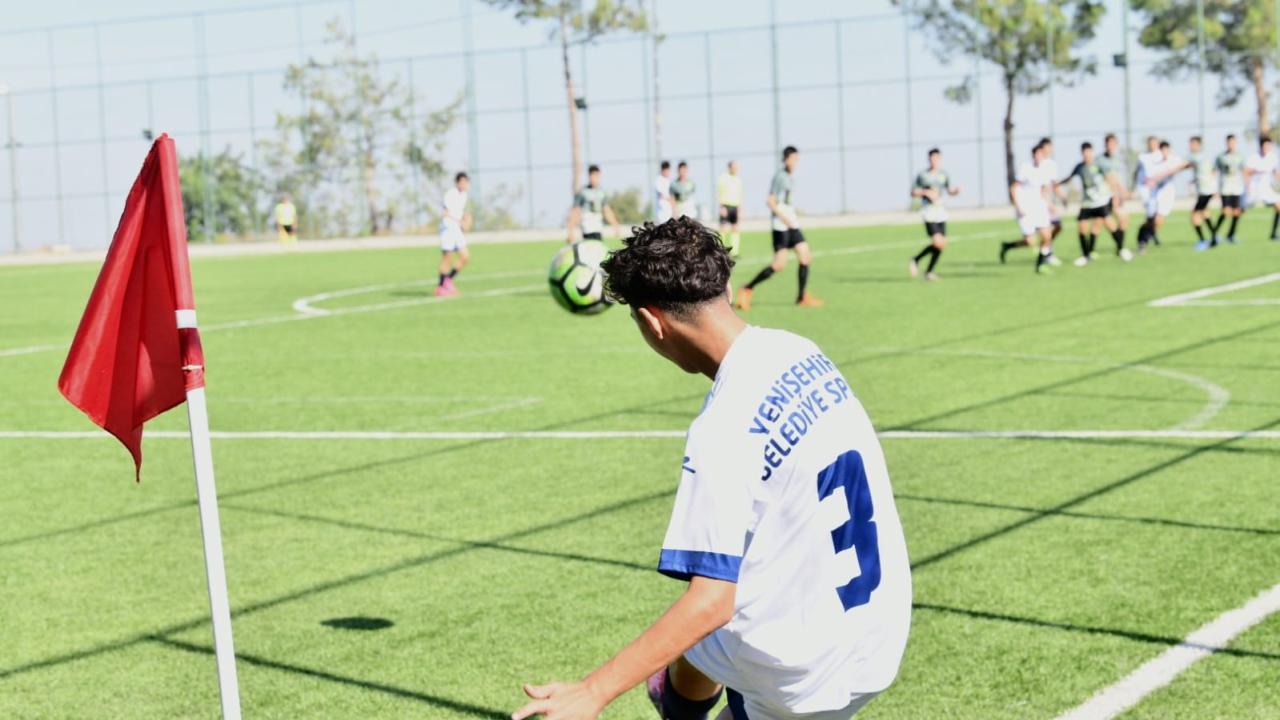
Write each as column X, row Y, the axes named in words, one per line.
column 844, row 189
column 57, row 140
column 469, row 77
column 773, row 60
column 528, row 133
column 711, row 121
column 13, row 169
column 1200, row 61
column 102, row 126
column 413, row 139
column 977, row 98
column 906, row 65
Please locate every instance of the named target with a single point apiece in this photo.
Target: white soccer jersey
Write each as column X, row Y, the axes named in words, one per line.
column 1031, row 180
column 455, row 206
column 661, row 196
column 1262, row 169
column 785, row 492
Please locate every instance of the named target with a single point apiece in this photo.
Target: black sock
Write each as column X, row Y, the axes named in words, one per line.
column 1235, row 219
column 1093, row 243
column 1199, row 231
column 1118, row 236
column 804, row 282
column 1214, row 227
column 763, row 275
column 927, row 249
column 1011, row 244
column 1275, row 223
column 678, row 707
column 453, row 273
column 937, row 253
column 442, row 277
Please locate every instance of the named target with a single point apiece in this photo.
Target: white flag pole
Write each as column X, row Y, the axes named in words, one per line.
column 211, row 530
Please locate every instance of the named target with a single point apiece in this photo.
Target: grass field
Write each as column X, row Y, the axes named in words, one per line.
column 424, row 577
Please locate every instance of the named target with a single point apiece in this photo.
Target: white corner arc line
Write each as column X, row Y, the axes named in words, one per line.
column 1163, row 669
column 380, row 435
column 1187, row 297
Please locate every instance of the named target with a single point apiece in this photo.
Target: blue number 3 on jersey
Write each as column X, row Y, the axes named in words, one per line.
column 844, row 483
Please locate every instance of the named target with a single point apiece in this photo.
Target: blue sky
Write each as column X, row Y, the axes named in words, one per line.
column 149, row 65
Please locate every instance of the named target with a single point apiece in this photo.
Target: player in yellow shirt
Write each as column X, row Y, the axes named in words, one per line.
column 286, row 217
column 729, row 195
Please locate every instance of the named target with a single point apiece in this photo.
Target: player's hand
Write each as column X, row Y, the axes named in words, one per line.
column 560, row 701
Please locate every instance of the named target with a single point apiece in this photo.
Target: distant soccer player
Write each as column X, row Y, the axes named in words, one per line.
column 1230, row 165
column 1049, row 165
column 682, row 190
column 286, row 217
column 1161, row 194
column 1148, row 162
column 932, row 187
column 798, row 597
column 454, row 221
column 729, row 195
column 1095, row 204
column 1259, row 174
column 590, row 210
column 1029, row 192
column 1111, row 164
column 786, row 235
column 663, row 205
column 1205, row 172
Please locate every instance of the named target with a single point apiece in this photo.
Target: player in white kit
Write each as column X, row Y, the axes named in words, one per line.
column 1161, row 192
column 663, row 204
column 454, row 221
column 1259, row 176
column 1029, row 193
column 784, row 526
column 1147, row 164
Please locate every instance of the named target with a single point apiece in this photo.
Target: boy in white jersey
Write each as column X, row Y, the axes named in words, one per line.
column 663, row 204
column 1259, row 176
column 729, row 195
column 1161, row 193
column 1049, row 165
column 1147, row 164
column 454, row 220
column 1029, row 193
column 799, row 586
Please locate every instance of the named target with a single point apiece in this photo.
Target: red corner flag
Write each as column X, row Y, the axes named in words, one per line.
column 129, row 361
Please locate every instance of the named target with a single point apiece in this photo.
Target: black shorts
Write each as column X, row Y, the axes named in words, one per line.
column 592, row 236
column 1202, row 202
column 787, row 239
column 288, row 229
column 1231, row 201
column 932, row 228
column 730, row 214
column 1089, row 213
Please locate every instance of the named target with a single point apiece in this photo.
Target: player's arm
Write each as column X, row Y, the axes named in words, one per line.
column 575, row 217
column 952, row 190
column 1013, row 197
column 772, row 202
column 706, row 605
column 466, row 221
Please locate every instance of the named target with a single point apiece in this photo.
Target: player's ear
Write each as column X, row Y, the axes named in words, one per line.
column 654, row 319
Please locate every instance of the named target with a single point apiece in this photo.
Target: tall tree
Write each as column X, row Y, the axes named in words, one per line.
column 235, row 189
column 1239, row 44
column 1031, row 42
column 353, row 120
column 576, row 22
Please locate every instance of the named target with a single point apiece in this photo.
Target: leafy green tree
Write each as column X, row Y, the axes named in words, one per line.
column 1031, row 42
column 235, row 192
column 353, row 120
column 577, row 22
column 629, row 207
column 1239, row 39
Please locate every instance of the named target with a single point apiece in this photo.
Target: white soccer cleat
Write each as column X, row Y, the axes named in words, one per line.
column 1081, row 261
column 913, row 269
column 1054, row 261
column 1125, row 255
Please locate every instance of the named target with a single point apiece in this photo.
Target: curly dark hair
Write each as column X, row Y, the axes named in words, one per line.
column 675, row 266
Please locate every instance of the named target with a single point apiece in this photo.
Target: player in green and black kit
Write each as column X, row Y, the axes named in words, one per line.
column 590, row 209
column 786, row 235
column 1095, row 204
column 682, row 189
column 1230, row 167
column 1112, row 166
column 1205, row 170
column 932, row 185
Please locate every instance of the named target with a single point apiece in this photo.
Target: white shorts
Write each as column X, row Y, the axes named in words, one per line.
column 452, row 239
column 1262, row 194
column 1031, row 223
column 711, row 657
column 1161, row 201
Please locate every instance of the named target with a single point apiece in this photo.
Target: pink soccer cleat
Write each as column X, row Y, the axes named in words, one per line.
column 449, row 288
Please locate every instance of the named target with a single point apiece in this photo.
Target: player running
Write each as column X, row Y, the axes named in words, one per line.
column 1095, row 204
column 286, row 218
column 1049, row 165
column 1029, row 192
column 1161, row 193
column 786, row 235
column 682, row 190
column 729, row 195
column 1230, row 166
column 454, row 220
column 798, row 597
column 663, row 205
column 1259, row 172
column 932, row 186
column 590, row 211
column 1111, row 164
column 1206, row 181
column 1147, row 164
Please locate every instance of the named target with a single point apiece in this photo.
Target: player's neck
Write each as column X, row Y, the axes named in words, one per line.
column 714, row 333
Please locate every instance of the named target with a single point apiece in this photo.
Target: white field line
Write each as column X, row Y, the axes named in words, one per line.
column 1225, row 303
column 477, row 412
column 648, row 434
column 1217, row 396
column 1155, row 674
column 304, row 305
column 1188, row 298
column 11, row 352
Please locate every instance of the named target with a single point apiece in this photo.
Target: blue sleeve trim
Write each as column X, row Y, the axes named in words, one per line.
column 684, row 564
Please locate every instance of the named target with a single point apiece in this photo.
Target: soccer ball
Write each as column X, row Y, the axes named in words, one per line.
column 577, row 282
